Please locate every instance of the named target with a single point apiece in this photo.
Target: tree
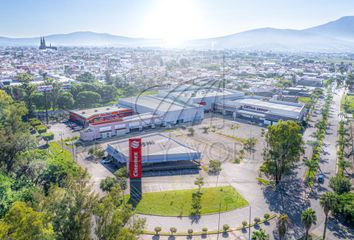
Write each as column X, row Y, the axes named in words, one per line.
column 196, row 203
column 14, row 133
column 28, row 88
column 107, row 183
column 214, row 166
column 22, row 223
column 108, row 93
column 191, row 131
column 260, row 235
column 114, row 218
column 48, row 136
column 340, row 184
column 157, row 230
column 173, row 230
column 328, row 202
column 71, row 209
column 308, row 217
column 249, row 144
column 65, row 100
column 199, row 181
column 97, row 152
column 88, row 99
column 38, row 99
column 122, row 175
column 86, row 77
column 284, row 148
column 282, row 225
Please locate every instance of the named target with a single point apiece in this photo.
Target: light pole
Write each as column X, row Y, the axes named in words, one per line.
column 249, row 224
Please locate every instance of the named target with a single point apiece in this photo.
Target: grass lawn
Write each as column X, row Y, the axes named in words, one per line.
column 178, row 203
column 57, row 151
column 304, row 99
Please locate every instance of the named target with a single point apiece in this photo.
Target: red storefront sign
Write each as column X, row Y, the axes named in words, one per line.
column 135, row 157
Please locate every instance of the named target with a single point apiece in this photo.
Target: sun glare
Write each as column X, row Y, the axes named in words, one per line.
column 174, row 21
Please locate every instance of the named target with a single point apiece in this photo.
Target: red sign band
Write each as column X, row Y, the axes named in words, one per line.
column 135, row 157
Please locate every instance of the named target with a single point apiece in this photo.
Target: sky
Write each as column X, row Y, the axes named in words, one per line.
column 167, row 19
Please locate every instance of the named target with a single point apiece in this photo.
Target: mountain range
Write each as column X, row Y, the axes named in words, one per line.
column 335, row 36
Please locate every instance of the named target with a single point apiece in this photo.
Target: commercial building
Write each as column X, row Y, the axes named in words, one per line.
column 205, row 97
column 262, row 111
column 170, row 111
column 99, row 115
column 125, row 125
column 156, row 149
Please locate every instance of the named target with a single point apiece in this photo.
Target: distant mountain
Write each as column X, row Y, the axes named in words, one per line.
column 335, row 36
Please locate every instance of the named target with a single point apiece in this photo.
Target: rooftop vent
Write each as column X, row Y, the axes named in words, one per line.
column 96, row 110
column 82, row 112
column 107, row 108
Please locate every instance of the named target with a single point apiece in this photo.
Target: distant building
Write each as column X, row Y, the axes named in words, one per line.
column 43, row 46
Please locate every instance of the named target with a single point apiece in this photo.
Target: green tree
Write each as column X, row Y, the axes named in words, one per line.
column 328, row 202
column 260, row 235
column 308, row 217
column 214, row 166
column 112, row 218
column 38, row 100
column 14, row 133
column 284, row 148
column 71, row 209
column 86, row 77
column 249, row 144
column 282, row 225
column 340, row 184
column 65, row 100
column 24, row 223
column 88, row 99
column 122, row 175
column 28, row 88
column 199, row 181
column 107, row 184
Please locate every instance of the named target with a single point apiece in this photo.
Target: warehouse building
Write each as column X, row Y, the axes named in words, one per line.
column 156, row 150
column 171, row 112
column 262, row 111
column 125, row 125
column 205, row 97
column 99, row 115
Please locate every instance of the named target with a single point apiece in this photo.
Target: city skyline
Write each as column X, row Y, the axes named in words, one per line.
column 170, row 20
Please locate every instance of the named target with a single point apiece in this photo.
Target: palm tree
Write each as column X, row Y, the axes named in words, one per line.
column 308, row 217
column 328, row 202
column 282, row 225
column 260, row 235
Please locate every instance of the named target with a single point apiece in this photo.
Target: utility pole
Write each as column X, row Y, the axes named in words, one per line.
column 219, row 220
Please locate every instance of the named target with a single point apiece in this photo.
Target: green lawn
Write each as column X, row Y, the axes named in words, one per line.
column 178, row 203
column 304, row 99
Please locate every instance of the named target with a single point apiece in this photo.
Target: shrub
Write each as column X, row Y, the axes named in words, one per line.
column 214, row 166
column 48, row 136
column 225, row 227
column 190, row 231
column 257, row 220
column 35, row 122
column 107, row 184
column 41, row 128
column 266, row 216
column 244, row 224
column 173, row 230
column 157, row 230
column 204, row 230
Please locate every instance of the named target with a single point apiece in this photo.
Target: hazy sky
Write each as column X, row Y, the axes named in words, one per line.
column 184, row 19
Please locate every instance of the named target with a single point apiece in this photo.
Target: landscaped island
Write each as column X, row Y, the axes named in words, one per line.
column 179, row 202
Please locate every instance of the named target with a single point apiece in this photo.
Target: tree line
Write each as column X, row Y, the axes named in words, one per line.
column 46, row 195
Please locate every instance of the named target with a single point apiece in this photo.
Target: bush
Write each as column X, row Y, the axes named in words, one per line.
column 340, row 184
column 173, row 230
column 204, row 230
column 48, row 136
column 214, row 166
column 190, row 231
column 107, row 184
column 157, row 230
column 225, row 227
column 244, row 224
column 257, row 220
column 266, row 216
column 35, row 122
column 41, row 129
